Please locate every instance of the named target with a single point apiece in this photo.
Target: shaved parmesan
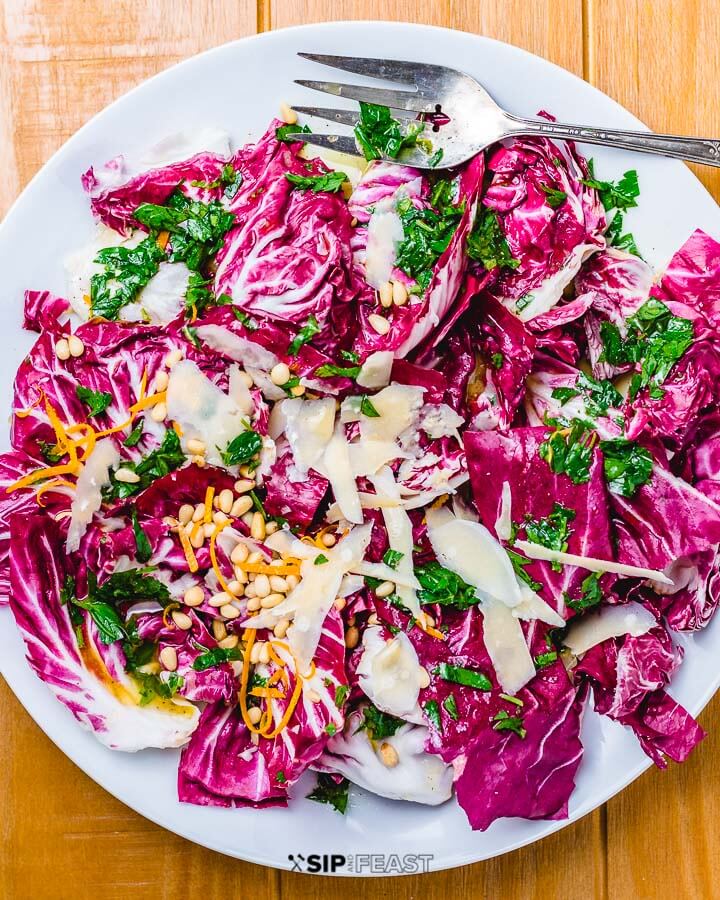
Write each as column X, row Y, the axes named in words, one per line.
column 239, row 392
column 248, row 353
column 368, row 457
column 505, row 643
column 609, row 622
column 532, row 606
column 384, row 233
column 335, row 466
column 397, row 406
column 389, row 672
column 309, row 426
column 536, row 551
column 88, row 490
column 375, row 371
column 203, row 411
column 440, row 420
column 468, row 549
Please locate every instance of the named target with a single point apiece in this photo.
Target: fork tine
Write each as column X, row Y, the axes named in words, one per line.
column 344, row 116
column 378, row 96
column 341, row 143
column 389, row 69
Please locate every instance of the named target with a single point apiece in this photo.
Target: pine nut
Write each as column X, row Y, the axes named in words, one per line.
column 219, row 630
column 209, row 529
column 241, row 506
column 170, row 521
column 243, row 485
column 75, row 345
column 253, row 604
column 222, row 598
column 340, row 603
column 197, row 538
column 429, row 620
column 379, row 324
column 399, row 293
column 127, row 476
column 183, row 621
column 62, row 349
column 281, row 628
column 161, row 380
column 159, row 412
column 265, row 654
column 151, row 668
column 271, row 600
column 199, row 513
column 384, row 590
column 262, row 585
column 373, row 619
column 229, row 612
column 219, row 518
column 254, row 736
column 278, row 583
column 292, row 582
column 235, row 588
column 194, row 596
column 185, row 513
column 254, row 714
column 246, row 471
column 246, row 378
column 255, row 652
column 271, row 527
column 288, row 114
column 298, row 390
column 353, row 222
column 239, row 553
column 248, row 517
column 250, row 592
column 197, row 447
column 280, row 374
column 329, row 540
column 198, row 461
column 257, row 527
column 423, row 677
column 386, row 294
column 225, row 500
column 388, row 755
column 241, row 576
column 255, row 557
column 168, row 658
column 173, row 357
column 229, row 643
column 352, row 637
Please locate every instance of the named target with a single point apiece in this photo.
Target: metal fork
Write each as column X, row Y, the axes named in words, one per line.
column 475, row 120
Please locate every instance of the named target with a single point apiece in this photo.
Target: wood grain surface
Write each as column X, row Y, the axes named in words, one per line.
column 61, row 836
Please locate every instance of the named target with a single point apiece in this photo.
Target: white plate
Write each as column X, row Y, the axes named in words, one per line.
column 239, row 87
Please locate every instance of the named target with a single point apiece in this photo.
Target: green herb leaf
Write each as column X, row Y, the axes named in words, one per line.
column 330, row 181
column 216, row 657
column 133, row 439
column 126, row 272
column 350, row 355
column 440, row 585
column 165, row 459
column 546, row 659
column 427, row 233
column 591, row 593
column 96, row 401
column 367, row 409
column 432, row 711
column 553, row 531
column 487, row 243
column 379, row 134
column 334, row 793
column 450, row 707
column 461, row 675
column 133, row 584
column 555, row 197
column 615, row 237
column 283, row 133
column 496, row 360
column 306, row 333
column 143, row 550
column 570, row 451
column 378, row 724
column 518, row 563
column 331, row 729
column 436, row 158
column 621, row 195
column 328, row 370
column 392, row 558
column 341, row 692
column 242, row 449
column 505, row 722
column 320, row 560
column 627, row 466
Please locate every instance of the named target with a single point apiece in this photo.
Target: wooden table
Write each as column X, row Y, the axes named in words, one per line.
column 61, row 836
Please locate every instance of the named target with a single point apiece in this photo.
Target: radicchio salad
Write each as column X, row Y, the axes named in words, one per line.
column 381, row 473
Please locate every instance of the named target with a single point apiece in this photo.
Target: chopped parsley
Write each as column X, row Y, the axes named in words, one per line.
column 133, row 439
column 440, row 585
column 546, row 659
column 487, row 243
column 432, row 711
column 427, row 232
column 331, row 182
column 328, row 370
column 461, row 675
column 505, row 722
column 320, row 560
column 392, row 558
column 627, row 466
column 367, row 408
column 378, row 134
column 230, row 179
column 569, row 450
column 330, row 791
column 598, row 395
column 591, row 593
column 552, row 531
column 555, row 198
column 242, row 449
column 283, row 133
column 306, row 333
column 216, row 657
column 450, row 707
column 331, row 729
column 96, row 401
column 143, row 549
column 619, row 196
column 161, row 461
column 378, row 724
column 341, row 692
column 518, row 563
column 126, row 272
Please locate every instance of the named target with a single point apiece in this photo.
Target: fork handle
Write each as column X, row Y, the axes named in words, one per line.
column 699, row 150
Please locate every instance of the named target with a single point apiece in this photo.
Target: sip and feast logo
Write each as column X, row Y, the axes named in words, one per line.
column 361, row 863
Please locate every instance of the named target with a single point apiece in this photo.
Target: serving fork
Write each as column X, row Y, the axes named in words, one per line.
column 463, row 117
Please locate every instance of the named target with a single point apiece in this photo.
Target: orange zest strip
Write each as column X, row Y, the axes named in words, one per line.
column 188, row 550
column 162, row 239
column 264, row 569
column 177, row 429
column 213, row 558
column 244, row 677
column 151, row 400
column 289, row 710
column 90, row 437
column 166, row 613
column 267, row 692
column 209, row 494
column 23, row 413
column 51, row 486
